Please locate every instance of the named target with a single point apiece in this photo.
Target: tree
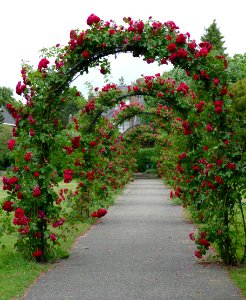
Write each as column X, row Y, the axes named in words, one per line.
column 213, row 36
column 239, row 107
column 237, row 67
column 5, row 135
column 121, row 81
column 70, row 106
column 6, row 95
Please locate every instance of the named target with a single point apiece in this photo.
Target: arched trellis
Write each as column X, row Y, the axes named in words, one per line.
column 37, row 127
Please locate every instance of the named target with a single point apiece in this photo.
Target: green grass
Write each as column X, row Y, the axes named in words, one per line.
column 17, row 273
column 238, row 275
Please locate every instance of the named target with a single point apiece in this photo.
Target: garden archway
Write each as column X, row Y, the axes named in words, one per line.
column 37, row 127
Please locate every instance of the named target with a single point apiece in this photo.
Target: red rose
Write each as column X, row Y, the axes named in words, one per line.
column 93, row 143
column 209, row 127
column 171, row 47
column 36, row 174
column 182, row 53
column 182, row 156
column 53, row 237
column 196, row 76
column 86, row 54
column 8, row 206
column 31, row 132
column 181, row 38
column 28, row 156
column 94, row 214
column 101, row 212
column 204, row 242
column 231, row 166
column 36, row 192
column 11, row 144
column 192, row 236
column 31, row 121
column 218, row 110
column 19, row 90
column 150, row 60
column 93, row 19
column 19, row 212
column 43, row 64
column 163, row 61
column 198, row 254
column 219, row 180
column 37, row 253
column 59, row 223
column 76, row 142
column 68, row 175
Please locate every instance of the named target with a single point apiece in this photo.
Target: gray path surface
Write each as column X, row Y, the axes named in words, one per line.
column 139, row 251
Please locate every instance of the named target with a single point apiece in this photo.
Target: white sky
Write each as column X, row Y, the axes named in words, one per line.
column 29, row 25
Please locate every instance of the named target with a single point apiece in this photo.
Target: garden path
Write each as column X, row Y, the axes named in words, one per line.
column 139, row 250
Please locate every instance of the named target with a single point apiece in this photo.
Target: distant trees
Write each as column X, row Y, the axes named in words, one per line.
column 239, row 107
column 237, row 67
column 213, row 35
column 6, row 95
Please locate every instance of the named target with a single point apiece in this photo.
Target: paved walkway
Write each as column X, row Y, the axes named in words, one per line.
column 140, row 250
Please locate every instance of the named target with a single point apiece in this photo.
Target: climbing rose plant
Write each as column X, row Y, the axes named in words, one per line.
column 207, row 175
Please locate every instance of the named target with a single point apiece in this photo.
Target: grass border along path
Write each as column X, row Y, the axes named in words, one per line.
column 17, row 273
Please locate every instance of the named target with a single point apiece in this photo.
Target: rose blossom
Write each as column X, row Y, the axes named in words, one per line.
column 68, row 175
column 28, row 156
column 86, row 54
column 11, row 144
column 8, row 206
column 37, row 253
column 93, row 19
column 43, row 63
column 36, row 191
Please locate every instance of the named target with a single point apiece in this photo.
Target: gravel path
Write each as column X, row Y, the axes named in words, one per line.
column 140, row 250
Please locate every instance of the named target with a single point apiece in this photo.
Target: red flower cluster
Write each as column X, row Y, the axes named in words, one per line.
column 59, row 223
column 20, row 88
column 68, row 175
column 219, row 179
column 37, row 253
column 76, row 142
column 182, row 155
column 218, row 106
column 209, row 127
column 43, row 64
column 90, row 175
column 99, row 213
column 28, row 156
column 9, row 182
column 199, row 106
column 8, row 206
column 36, row 191
column 53, row 237
column 20, row 218
column 86, row 54
column 93, row 143
column 231, row 166
column 11, row 144
column 90, row 106
column 93, row 19
column 187, row 129
column 31, row 120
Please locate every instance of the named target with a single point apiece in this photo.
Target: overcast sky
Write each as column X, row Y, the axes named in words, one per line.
column 29, row 25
